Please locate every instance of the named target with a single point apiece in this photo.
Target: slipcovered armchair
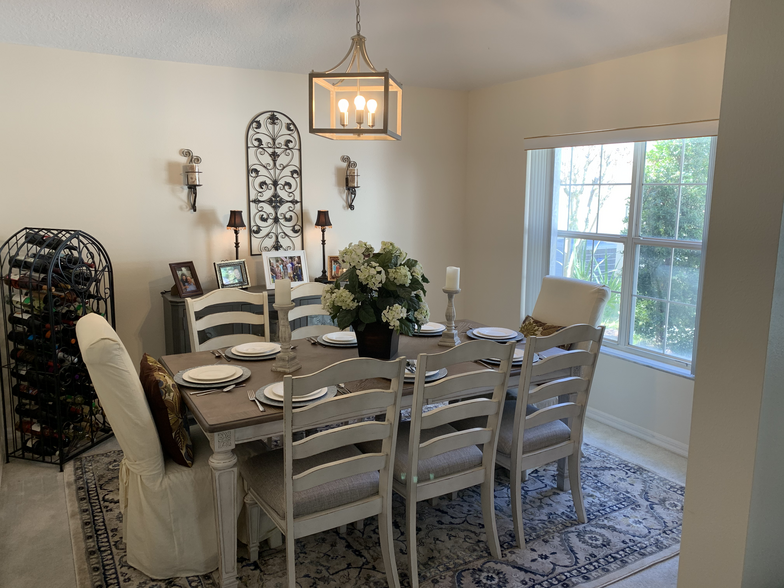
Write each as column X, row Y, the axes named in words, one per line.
column 168, row 513
column 566, row 301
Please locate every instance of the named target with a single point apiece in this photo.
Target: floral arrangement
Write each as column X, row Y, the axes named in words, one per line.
column 385, row 286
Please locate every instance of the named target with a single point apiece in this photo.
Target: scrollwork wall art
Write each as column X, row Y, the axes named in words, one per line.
column 274, row 160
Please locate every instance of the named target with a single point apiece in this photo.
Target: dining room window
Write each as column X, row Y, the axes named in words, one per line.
column 633, row 216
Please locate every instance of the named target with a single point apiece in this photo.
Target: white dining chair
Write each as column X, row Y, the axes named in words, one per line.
column 252, row 316
column 567, row 301
column 432, row 457
column 305, row 311
column 323, row 481
column 529, row 437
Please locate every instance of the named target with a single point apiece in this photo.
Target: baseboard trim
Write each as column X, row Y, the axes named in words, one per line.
column 677, row 447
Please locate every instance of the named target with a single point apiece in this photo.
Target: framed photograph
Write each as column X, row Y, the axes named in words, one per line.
column 333, row 268
column 185, row 279
column 279, row 265
column 232, row 274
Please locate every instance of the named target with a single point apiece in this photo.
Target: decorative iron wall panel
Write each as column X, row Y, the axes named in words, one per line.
column 274, row 160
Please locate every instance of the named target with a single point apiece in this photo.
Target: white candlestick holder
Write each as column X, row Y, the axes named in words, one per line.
column 450, row 338
column 286, row 362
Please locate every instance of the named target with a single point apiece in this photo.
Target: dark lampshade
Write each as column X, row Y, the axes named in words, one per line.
column 235, row 220
column 322, row 219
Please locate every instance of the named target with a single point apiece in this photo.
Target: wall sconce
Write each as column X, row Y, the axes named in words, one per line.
column 191, row 175
column 352, row 180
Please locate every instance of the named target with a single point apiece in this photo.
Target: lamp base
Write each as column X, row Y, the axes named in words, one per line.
column 322, row 278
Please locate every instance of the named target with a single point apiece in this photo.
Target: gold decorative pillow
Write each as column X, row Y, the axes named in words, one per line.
column 168, row 411
column 534, row 328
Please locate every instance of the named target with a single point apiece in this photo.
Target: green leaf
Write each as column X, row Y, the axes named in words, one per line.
column 366, row 314
column 346, row 317
column 406, row 328
column 404, row 292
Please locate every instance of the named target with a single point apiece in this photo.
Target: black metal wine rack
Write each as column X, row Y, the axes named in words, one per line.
column 51, row 278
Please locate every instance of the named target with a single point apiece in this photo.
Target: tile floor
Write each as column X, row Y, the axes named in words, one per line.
column 35, row 542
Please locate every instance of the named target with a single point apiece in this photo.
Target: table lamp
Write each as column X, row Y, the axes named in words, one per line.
column 322, row 220
column 236, row 223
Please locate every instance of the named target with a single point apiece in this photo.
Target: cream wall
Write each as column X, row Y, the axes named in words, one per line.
column 676, row 84
column 92, row 142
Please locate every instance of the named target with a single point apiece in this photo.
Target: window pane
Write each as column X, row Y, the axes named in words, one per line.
column 612, row 317
column 614, row 209
column 653, row 272
column 685, row 276
column 586, row 164
column 680, row 330
column 659, row 211
column 563, row 208
column 617, row 163
column 692, row 215
column 566, row 165
column 663, row 162
column 649, row 318
column 696, row 160
column 583, row 209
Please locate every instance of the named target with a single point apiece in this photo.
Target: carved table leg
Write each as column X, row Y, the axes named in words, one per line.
column 224, row 477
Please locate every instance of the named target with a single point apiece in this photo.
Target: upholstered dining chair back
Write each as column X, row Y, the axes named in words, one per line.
column 566, row 301
column 120, row 393
column 304, row 311
column 253, row 313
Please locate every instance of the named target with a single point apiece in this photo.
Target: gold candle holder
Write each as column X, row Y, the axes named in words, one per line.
column 286, row 362
column 450, row 338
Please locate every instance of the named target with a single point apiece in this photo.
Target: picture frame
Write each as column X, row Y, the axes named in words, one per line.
column 186, row 280
column 285, row 264
column 232, row 274
column 334, row 270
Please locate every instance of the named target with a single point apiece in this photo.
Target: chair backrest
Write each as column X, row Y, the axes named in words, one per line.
column 308, row 310
column 566, row 301
column 121, row 395
column 585, row 342
column 245, row 316
column 349, row 406
column 446, row 389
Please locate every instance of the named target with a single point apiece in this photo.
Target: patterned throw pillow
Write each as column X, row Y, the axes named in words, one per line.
column 168, row 411
column 535, row 328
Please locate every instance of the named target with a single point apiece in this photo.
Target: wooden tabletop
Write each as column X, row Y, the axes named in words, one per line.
column 232, row 410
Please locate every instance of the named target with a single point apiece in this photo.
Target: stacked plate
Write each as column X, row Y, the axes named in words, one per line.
column 517, row 360
column 254, row 351
column 273, row 395
column 494, row 334
column 430, row 330
column 430, row 376
column 210, row 376
column 339, row 339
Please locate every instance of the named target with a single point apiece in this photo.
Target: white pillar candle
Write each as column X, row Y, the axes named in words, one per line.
column 452, row 278
column 283, row 291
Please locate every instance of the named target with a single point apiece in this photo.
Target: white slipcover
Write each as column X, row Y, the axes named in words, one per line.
column 168, row 513
column 566, row 301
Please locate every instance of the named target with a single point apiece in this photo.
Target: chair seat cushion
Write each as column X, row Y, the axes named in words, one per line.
column 535, row 438
column 168, row 411
column 448, row 463
column 264, row 474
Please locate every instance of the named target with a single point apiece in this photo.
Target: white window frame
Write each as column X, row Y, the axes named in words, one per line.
column 541, row 205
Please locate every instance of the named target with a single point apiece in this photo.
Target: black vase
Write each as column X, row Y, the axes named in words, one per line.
column 377, row 340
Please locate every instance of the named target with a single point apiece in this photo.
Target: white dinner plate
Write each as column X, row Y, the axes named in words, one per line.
column 256, row 349
column 341, row 337
column 410, row 376
column 431, row 328
column 212, row 374
column 494, row 333
column 275, row 392
column 518, row 356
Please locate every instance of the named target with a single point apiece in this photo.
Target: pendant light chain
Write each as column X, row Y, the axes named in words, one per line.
column 359, row 26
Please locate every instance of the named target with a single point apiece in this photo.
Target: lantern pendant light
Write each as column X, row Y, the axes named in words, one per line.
column 376, row 98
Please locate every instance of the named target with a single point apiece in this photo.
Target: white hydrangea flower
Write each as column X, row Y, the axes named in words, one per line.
column 418, row 271
column 420, row 295
column 354, row 255
column 372, row 275
column 326, row 298
column 422, row 314
column 344, row 299
column 389, row 246
column 400, row 275
column 392, row 316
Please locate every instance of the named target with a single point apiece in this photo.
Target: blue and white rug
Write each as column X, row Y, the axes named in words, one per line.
column 634, row 521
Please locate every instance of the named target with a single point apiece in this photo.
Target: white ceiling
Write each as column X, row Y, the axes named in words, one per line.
column 457, row 44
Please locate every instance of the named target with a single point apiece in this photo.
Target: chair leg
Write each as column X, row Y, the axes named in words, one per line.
column 290, row 560
column 253, row 520
column 413, row 571
column 488, row 515
column 433, row 501
column 562, row 479
column 359, row 525
column 516, row 496
column 342, row 529
column 575, row 479
column 275, row 540
column 387, row 546
column 524, row 476
column 455, row 496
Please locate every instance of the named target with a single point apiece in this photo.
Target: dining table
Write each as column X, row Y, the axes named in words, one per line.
column 229, row 418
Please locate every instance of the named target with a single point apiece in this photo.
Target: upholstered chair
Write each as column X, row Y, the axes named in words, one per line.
column 566, row 301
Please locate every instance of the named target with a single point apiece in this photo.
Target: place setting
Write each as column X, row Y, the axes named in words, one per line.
column 256, row 351
column 430, row 329
column 499, row 334
column 517, row 360
column 212, row 376
column 272, row 395
column 430, row 375
column 336, row 339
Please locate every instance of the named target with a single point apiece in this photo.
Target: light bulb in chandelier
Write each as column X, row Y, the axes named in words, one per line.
column 371, row 106
column 343, row 107
column 359, row 105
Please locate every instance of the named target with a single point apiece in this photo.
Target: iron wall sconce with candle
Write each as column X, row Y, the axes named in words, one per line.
column 237, row 224
column 352, row 180
column 191, row 175
column 323, row 222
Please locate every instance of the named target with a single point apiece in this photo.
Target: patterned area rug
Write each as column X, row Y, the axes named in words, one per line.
column 634, row 521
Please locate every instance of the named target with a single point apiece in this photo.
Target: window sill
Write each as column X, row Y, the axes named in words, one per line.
column 651, row 363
